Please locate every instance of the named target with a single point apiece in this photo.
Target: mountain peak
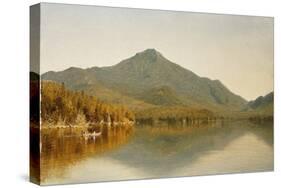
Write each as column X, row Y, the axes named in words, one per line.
column 149, row 55
column 150, row 50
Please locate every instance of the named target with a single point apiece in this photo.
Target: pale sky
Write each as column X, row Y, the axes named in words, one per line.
column 237, row 50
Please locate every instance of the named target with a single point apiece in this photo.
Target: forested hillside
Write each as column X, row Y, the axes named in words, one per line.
column 62, row 106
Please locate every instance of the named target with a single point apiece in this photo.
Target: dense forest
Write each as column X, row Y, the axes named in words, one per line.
column 62, row 106
column 173, row 114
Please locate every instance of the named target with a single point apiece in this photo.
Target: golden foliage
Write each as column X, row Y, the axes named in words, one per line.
column 59, row 104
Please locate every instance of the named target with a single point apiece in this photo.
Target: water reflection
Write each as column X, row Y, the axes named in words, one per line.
column 157, row 151
column 165, row 149
column 62, row 148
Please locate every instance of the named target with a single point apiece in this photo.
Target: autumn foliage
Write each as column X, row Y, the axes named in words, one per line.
column 59, row 104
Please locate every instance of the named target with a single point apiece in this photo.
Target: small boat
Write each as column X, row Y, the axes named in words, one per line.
column 96, row 133
column 91, row 135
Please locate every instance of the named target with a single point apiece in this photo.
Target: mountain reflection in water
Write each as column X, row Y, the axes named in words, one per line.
column 156, row 151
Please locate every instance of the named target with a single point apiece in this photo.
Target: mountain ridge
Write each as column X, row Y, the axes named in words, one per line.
column 146, row 71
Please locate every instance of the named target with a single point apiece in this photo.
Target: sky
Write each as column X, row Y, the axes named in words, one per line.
column 237, row 50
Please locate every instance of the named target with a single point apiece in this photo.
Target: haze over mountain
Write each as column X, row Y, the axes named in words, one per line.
column 149, row 79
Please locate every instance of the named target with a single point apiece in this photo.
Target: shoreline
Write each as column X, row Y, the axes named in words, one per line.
column 136, row 123
column 88, row 125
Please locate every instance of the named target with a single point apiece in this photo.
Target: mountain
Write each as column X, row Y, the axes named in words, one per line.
column 262, row 104
column 85, row 79
column 149, row 78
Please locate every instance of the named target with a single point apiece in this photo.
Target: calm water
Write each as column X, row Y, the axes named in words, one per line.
column 156, row 151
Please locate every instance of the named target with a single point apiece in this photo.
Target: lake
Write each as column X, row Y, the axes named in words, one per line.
column 163, row 150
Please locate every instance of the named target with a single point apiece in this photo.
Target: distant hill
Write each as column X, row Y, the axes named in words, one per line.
column 149, row 79
column 263, row 104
